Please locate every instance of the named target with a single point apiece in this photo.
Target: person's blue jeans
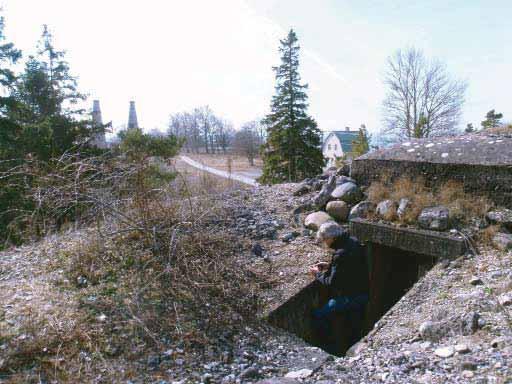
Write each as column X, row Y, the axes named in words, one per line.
column 352, row 307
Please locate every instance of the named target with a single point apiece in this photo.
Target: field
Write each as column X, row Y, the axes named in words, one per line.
column 239, row 164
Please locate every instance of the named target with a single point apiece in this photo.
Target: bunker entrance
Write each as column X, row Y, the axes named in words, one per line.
column 391, row 273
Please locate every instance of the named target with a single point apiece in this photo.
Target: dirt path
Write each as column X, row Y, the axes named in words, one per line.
column 233, row 176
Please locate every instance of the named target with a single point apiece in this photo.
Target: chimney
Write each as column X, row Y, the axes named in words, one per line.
column 99, row 140
column 132, row 117
column 96, row 113
column 347, row 129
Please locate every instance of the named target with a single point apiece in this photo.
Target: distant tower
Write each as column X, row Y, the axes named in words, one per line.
column 99, row 141
column 132, row 117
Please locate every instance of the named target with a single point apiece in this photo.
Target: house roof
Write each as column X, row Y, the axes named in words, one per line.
column 345, row 137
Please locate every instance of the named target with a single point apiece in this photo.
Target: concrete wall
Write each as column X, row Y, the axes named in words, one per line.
column 494, row 181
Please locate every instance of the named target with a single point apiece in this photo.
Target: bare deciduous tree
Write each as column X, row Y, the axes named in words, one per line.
column 247, row 141
column 422, row 99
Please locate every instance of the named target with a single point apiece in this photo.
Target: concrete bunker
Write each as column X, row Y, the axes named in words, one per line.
column 397, row 259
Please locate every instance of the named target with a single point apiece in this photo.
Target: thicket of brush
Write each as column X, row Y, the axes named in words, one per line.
column 161, row 269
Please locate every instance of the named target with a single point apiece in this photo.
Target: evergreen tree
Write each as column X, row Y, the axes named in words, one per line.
column 361, row 145
column 9, row 130
column 469, row 128
column 492, row 119
column 47, row 97
column 292, row 151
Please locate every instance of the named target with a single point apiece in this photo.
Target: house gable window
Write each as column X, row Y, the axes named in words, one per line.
column 329, row 147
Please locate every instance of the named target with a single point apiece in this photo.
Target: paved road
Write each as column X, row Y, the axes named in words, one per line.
column 218, row 172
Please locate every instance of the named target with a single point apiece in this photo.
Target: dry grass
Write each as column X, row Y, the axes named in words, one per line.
column 161, row 274
column 486, row 235
column 462, row 206
column 228, row 162
column 505, row 129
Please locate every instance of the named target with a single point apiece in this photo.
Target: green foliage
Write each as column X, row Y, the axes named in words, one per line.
column 39, row 122
column 137, row 145
column 421, row 127
column 361, row 145
column 292, row 151
column 470, row 128
column 492, row 119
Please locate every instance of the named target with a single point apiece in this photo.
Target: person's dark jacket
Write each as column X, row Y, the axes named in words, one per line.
column 347, row 274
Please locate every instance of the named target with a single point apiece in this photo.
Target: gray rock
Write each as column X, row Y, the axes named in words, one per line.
column 300, row 374
column 250, row 373
column 257, row 250
column 362, row 210
column 475, row 280
column 403, row 206
column 386, row 209
column 434, row 218
column 81, row 282
column 344, row 179
column 445, row 352
column 356, row 349
column 153, row 361
column 339, row 210
column 470, row 323
column 502, row 241
column 302, row 189
column 287, row 237
column 348, row 192
column 343, row 170
column 502, row 217
column 505, row 299
column 330, row 230
column 303, row 208
column 433, row 331
column 323, row 197
column 278, row 380
column 316, row 219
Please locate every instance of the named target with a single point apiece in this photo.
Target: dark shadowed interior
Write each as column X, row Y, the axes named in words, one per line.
column 392, row 272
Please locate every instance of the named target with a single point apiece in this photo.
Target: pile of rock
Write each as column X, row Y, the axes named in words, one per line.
column 338, row 200
column 503, row 219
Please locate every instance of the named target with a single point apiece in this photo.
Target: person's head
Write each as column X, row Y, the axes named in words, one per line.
column 330, row 233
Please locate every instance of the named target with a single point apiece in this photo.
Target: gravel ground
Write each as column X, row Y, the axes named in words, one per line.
column 453, row 326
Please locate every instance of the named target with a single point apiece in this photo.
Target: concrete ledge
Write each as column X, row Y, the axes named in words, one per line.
column 424, row 242
column 295, row 314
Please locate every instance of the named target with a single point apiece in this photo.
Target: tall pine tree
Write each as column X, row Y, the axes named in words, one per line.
column 292, row 151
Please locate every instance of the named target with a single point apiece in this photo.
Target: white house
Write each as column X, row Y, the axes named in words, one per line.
column 338, row 144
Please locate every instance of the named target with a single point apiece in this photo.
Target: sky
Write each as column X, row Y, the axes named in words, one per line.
column 173, row 55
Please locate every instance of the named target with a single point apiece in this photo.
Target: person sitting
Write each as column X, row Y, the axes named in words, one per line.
column 346, row 279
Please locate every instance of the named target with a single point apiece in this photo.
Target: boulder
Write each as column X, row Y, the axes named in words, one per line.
column 502, row 217
column 330, row 230
column 434, row 218
column 362, row 210
column 348, row 192
column 344, row 179
column 403, row 205
column 316, row 219
column 386, row 209
column 324, row 195
column 502, row 241
column 339, row 210
column 344, row 170
column 316, row 185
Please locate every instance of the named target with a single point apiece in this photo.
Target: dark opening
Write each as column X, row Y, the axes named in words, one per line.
column 392, row 272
